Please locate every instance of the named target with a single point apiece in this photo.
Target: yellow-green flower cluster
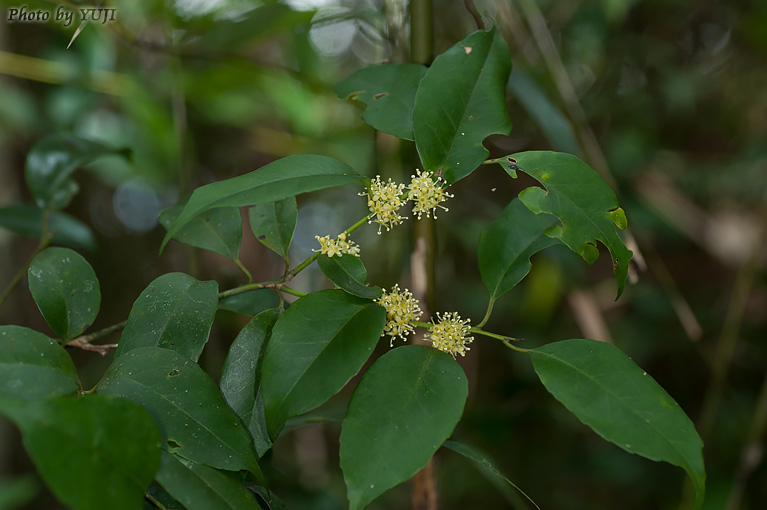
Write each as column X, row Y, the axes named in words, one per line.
column 385, row 199
column 401, row 309
column 337, row 246
column 450, row 334
column 427, row 193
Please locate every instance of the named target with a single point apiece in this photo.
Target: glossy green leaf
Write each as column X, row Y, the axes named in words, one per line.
column 28, row 220
column 217, row 230
column 51, row 162
column 406, row 405
column 460, row 102
column 608, row 392
column 348, row 273
column 32, row 366
column 388, row 91
column 273, row 224
column 554, row 124
column 65, row 289
column 280, row 179
column 505, row 247
column 93, row 452
column 175, row 312
column 250, row 303
column 241, row 377
column 317, row 346
column 193, row 418
column 199, row 487
column 487, row 466
column 580, row 198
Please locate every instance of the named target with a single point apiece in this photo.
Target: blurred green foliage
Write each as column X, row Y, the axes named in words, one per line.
column 665, row 99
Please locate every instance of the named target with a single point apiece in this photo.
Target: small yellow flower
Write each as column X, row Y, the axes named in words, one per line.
column 385, row 200
column 450, row 334
column 427, row 194
column 337, row 246
column 401, row 309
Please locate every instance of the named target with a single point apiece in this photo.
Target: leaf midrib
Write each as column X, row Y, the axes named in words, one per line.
column 651, row 424
column 288, row 393
column 183, row 411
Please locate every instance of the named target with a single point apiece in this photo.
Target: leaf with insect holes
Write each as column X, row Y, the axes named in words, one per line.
column 460, row 102
column 388, row 91
column 581, row 200
column 273, row 224
column 193, row 417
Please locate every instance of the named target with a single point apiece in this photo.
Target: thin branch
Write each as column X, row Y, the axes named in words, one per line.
column 102, row 349
column 469, row 4
column 45, row 239
column 84, row 341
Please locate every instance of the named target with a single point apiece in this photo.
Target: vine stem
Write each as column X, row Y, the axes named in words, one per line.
column 479, row 331
column 300, row 267
column 244, row 269
column 487, row 313
column 84, row 341
column 45, row 239
column 155, row 502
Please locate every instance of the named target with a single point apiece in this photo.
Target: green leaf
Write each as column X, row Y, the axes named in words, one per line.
column 406, row 405
column 250, row 303
column 280, row 179
column 217, row 230
column 460, row 102
column 93, row 452
column 51, row 162
column 505, row 247
column 388, row 91
column 487, row 466
column 241, row 377
column 65, row 289
column 608, row 392
column 27, row 220
column 193, row 418
column 348, row 273
column 542, row 110
column 175, row 312
column 32, row 366
column 273, row 224
column 317, row 346
column 580, row 198
column 200, row 487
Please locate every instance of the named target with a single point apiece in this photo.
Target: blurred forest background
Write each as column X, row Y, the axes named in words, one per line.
column 666, row 99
